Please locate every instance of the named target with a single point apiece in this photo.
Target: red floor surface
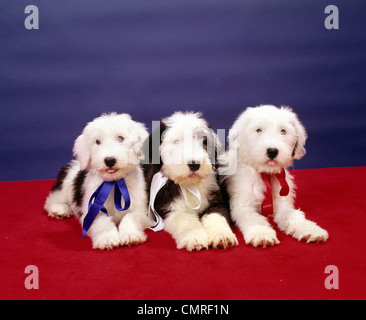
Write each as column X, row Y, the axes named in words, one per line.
column 70, row 269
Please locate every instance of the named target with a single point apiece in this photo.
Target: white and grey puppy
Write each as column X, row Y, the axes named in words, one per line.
column 186, row 149
column 266, row 140
column 109, row 149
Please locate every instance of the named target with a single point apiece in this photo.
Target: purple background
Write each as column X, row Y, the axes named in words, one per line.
column 150, row 58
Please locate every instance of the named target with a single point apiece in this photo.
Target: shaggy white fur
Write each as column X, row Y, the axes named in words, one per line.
column 109, row 149
column 265, row 139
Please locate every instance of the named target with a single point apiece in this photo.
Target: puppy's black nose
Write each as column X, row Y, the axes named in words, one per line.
column 110, row 161
column 194, row 166
column 272, row 153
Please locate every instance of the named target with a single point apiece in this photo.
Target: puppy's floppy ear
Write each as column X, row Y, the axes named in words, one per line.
column 212, row 144
column 301, row 136
column 141, row 135
column 232, row 137
column 81, row 151
column 236, row 132
column 140, row 131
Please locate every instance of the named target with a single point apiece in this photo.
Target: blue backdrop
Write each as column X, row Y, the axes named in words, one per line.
column 150, row 58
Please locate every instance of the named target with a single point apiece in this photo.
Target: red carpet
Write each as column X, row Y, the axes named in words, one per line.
column 70, row 269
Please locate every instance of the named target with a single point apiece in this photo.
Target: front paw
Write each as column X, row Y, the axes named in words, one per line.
column 261, row 236
column 194, row 240
column 106, row 240
column 132, row 238
column 219, row 232
column 309, row 231
column 60, row 211
column 223, row 239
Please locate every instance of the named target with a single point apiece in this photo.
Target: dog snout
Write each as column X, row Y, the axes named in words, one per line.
column 272, row 153
column 194, row 166
column 110, row 161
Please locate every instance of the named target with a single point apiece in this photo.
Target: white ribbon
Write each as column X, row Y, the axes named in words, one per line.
column 195, row 192
column 157, row 182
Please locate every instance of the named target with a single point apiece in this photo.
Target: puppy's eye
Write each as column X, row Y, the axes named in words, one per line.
column 97, row 142
column 120, row 138
column 176, row 141
column 259, row 130
column 283, row 131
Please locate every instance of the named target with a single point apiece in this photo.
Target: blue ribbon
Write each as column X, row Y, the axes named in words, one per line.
column 100, row 196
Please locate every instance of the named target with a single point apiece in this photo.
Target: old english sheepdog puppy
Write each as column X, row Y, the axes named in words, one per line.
column 108, row 153
column 262, row 142
column 184, row 188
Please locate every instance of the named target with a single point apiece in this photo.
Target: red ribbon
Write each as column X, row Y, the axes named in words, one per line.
column 267, row 204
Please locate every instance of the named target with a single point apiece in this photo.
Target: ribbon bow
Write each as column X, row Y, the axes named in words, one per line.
column 100, row 196
column 267, row 204
column 158, row 181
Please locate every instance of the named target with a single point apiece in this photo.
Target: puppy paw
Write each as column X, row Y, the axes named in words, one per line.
column 219, row 232
column 222, row 240
column 106, row 240
column 309, row 231
column 132, row 239
column 195, row 240
column 261, row 236
column 60, row 211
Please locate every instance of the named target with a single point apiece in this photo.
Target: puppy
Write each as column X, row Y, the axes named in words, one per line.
column 108, row 150
column 262, row 142
column 182, row 158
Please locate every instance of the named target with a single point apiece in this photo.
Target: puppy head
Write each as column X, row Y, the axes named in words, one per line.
column 269, row 138
column 188, row 147
column 110, row 145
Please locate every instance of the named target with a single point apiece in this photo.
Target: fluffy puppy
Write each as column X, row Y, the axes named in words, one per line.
column 109, row 149
column 182, row 151
column 262, row 142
